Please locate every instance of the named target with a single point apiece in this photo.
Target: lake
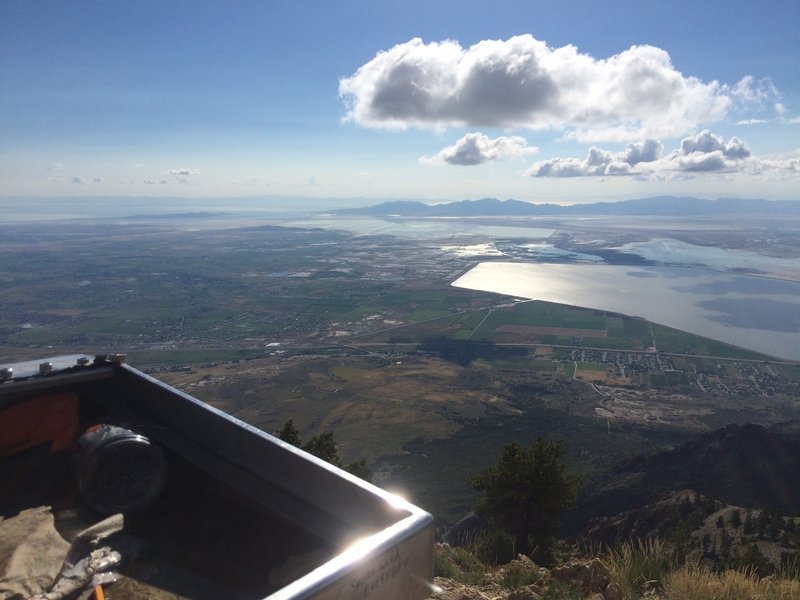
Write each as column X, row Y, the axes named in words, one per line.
column 432, row 228
column 758, row 313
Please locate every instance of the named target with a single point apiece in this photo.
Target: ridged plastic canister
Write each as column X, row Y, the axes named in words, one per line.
column 119, row 470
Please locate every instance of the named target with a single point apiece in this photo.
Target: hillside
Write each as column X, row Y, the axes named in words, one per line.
column 748, row 465
column 734, row 540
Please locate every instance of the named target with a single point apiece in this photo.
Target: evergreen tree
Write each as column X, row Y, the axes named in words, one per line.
column 749, row 525
column 526, row 492
column 725, row 550
column 289, row 434
column 324, row 446
column 360, row 469
column 752, row 558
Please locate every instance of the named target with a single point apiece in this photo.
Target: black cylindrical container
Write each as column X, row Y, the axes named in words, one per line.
column 118, row 469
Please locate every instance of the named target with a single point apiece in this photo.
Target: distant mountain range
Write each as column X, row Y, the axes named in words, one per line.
column 657, row 206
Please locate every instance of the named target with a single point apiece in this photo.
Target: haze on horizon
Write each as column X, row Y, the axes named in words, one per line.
column 435, row 102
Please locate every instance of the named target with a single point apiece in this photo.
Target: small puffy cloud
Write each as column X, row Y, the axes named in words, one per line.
column 77, row 179
column 600, row 162
column 752, row 122
column 98, row 180
column 150, row 181
column 704, row 152
column 561, row 167
column 55, row 167
column 793, row 121
column 183, row 172
column 638, row 152
column 477, row 148
column 522, row 82
column 701, row 161
column 706, row 142
column 788, row 166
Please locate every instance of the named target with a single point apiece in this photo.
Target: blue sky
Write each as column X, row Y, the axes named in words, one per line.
column 540, row 101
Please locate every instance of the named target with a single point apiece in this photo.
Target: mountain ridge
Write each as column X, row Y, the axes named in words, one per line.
column 745, row 465
column 651, row 206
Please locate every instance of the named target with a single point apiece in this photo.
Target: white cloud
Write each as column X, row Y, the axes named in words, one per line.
column 600, row 162
column 706, row 142
column 183, row 172
column 77, row 179
column 705, row 152
column 793, row 121
column 477, row 148
column 758, row 93
column 150, row 181
column 788, row 166
column 55, row 167
column 646, row 151
column 752, row 122
column 98, row 180
column 701, row 161
column 525, row 83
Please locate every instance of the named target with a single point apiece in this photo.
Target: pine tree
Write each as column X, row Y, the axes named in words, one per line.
column 526, row 492
column 324, row 446
column 289, row 434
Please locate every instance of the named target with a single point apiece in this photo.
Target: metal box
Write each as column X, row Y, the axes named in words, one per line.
column 290, row 525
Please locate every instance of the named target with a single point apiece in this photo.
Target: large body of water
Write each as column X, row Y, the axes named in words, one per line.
column 752, row 312
column 422, row 228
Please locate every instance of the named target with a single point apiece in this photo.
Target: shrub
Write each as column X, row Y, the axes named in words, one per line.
column 493, row 547
column 563, row 591
column 635, row 564
column 702, row 584
column 458, row 564
column 516, row 575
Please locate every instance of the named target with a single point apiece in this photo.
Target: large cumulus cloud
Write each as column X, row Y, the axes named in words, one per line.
column 705, row 152
column 477, row 148
column 522, row 82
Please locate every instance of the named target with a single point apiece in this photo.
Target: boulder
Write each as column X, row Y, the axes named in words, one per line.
column 593, row 575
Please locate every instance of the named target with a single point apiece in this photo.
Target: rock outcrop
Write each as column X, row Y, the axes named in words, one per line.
column 522, row 579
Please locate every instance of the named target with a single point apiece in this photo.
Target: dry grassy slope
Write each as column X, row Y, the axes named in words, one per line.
column 373, row 405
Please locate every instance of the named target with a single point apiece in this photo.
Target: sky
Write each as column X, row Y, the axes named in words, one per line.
column 543, row 101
